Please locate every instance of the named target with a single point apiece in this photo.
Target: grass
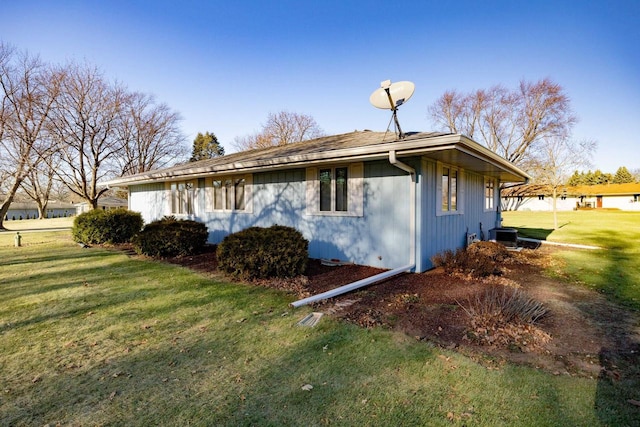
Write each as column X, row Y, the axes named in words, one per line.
column 613, row 270
column 36, row 224
column 93, row 337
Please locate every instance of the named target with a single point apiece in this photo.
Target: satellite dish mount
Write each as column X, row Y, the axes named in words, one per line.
column 391, row 96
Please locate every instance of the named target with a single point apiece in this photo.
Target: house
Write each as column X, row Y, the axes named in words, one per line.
column 104, row 203
column 364, row 197
column 602, row 196
column 29, row 210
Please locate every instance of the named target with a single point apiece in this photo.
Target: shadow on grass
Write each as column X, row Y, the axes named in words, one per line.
column 618, row 390
column 533, row 233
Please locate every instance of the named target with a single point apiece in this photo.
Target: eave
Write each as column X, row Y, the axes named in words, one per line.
column 450, row 148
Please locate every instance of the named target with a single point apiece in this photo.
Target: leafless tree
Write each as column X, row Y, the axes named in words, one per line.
column 28, row 90
column 555, row 159
column 151, row 136
column 40, row 182
column 85, row 124
column 280, row 129
column 510, row 123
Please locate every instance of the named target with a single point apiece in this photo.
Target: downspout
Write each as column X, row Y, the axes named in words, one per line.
column 387, row 274
column 412, row 205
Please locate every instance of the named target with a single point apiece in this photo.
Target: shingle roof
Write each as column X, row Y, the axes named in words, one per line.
column 343, row 147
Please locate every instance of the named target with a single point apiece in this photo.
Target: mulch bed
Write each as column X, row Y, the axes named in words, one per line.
column 427, row 306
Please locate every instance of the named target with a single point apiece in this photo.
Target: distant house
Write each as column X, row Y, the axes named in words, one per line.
column 364, row 197
column 29, row 210
column 605, row 196
column 104, row 203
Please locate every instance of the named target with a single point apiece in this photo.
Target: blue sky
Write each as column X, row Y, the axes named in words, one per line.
column 225, row 65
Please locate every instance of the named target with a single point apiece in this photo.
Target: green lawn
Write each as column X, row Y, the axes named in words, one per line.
column 614, row 270
column 93, row 337
column 36, row 224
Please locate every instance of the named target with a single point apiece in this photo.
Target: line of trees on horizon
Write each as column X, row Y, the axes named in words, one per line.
column 597, row 177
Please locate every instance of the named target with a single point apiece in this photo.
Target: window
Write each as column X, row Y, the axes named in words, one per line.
column 182, row 198
column 449, row 190
column 489, row 194
column 229, row 193
column 335, row 190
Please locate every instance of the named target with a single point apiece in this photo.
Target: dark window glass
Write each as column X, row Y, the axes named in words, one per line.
column 341, row 189
column 325, row 189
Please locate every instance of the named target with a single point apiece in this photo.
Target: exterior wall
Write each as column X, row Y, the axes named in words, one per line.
column 151, row 200
column 372, row 239
column 625, row 203
column 381, row 237
column 442, row 232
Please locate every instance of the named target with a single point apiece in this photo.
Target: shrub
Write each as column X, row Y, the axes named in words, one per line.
column 98, row 226
column 505, row 316
column 480, row 259
column 258, row 253
column 171, row 237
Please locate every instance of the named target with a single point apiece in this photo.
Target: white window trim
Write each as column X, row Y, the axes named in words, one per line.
column 355, row 183
column 495, row 202
column 248, row 193
column 460, row 190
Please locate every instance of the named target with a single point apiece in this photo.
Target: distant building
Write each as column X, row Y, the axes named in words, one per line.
column 104, row 203
column 533, row 197
column 29, row 210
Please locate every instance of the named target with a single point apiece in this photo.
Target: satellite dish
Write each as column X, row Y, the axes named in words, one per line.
column 390, row 96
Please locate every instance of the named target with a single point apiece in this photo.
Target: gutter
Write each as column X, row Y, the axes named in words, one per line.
column 387, row 274
column 288, row 159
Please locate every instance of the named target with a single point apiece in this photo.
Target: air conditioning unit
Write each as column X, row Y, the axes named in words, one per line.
column 506, row 236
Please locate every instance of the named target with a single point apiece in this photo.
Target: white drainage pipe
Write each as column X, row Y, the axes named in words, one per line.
column 352, row 286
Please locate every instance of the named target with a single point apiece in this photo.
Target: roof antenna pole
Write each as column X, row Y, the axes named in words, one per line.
column 394, row 109
column 390, row 97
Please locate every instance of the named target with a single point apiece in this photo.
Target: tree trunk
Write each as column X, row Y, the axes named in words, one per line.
column 4, row 208
column 555, row 208
column 42, row 210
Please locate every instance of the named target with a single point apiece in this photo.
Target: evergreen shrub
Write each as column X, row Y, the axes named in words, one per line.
column 99, row 226
column 258, row 253
column 171, row 237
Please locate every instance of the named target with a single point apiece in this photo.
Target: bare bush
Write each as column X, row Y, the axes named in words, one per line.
column 505, row 316
column 480, row 259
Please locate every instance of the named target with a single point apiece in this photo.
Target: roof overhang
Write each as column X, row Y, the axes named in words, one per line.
column 451, row 148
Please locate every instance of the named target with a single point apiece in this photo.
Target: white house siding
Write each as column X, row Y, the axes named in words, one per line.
column 536, row 204
column 624, row 203
column 151, row 200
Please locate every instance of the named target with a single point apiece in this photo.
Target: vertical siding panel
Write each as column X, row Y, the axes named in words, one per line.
column 439, row 233
column 150, row 200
